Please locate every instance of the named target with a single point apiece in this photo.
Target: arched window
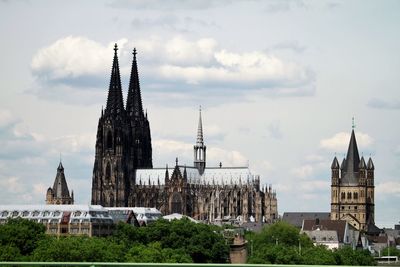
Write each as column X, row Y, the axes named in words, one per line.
column 343, row 195
column 108, row 173
column 109, row 140
column 176, row 203
column 355, row 195
column 348, row 195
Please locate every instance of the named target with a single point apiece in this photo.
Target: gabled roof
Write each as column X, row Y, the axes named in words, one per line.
column 333, row 225
column 321, row 236
column 296, row 218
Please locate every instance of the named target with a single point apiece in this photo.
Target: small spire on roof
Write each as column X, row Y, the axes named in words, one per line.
column 176, row 161
column 353, row 125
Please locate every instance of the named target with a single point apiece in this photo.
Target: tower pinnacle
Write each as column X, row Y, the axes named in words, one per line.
column 200, row 140
column 200, row 148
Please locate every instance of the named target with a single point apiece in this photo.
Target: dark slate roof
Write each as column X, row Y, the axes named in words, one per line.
column 334, row 225
column 350, row 176
column 296, row 218
column 115, row 102
column 373, row 229
column 134, row 105
column 335, row 164
column 60, row 188
column 370, row 165
column 362, row 164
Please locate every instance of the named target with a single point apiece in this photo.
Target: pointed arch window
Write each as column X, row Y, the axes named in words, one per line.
column 109, row 140
column 108, row 173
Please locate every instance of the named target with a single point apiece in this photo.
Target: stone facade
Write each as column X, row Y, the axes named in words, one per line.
column 352, row 189
column 123, row 174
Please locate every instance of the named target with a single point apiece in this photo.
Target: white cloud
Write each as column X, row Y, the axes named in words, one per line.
column 340, row 141
column 12, row 184
column 6, row 118
column 303, row 171
column 73, row 57
column 388, row 188
column 82, row 63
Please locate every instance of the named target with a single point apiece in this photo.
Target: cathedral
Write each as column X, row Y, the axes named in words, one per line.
column 123, row 173
column 352, row 189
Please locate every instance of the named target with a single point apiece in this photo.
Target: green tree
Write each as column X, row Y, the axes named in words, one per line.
column 153, row 252
column 9, row 253
column 318, row 255
column 79, row 249
column 21, row 234
column 346, row 255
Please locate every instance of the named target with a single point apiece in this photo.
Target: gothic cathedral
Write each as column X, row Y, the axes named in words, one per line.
column 123, row 173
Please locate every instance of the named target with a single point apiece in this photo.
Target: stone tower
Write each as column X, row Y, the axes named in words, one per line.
column 59, row 193
column 123, row 141
column 352, row 189
column 199, row 148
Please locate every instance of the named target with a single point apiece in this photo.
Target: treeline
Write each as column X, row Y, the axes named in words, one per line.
column 177, row 241
column 282, row 243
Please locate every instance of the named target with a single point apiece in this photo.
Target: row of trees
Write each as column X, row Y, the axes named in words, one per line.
column 282, row 243
column 180, row 241
column 162, row 241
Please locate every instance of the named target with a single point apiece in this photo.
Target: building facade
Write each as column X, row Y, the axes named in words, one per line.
column 353, row 190
column 59, row 193
column 63, row 220
column 123, row 174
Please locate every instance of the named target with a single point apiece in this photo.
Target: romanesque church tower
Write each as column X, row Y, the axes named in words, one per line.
column 352, row 189
column 123, row 141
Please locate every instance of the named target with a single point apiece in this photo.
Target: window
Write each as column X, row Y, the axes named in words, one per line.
column 355, row 195
column 348, row 195
column 4, row 214
column 35, row 213
column 25, row 213
column 343, row 195
column 109, row 140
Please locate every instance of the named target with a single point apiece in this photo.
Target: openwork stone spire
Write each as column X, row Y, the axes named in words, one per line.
column 115, row 102
column 200, row 141
column 134, row 105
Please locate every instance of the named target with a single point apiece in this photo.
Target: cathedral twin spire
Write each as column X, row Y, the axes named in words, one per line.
column 115, row 102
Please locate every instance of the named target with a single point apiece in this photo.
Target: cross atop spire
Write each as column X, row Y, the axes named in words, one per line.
column 115, row 102
column 200, row 141
column 134, row 53
column 352, row 123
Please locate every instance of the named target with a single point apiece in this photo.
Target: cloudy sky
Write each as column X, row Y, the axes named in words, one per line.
column 278, row 82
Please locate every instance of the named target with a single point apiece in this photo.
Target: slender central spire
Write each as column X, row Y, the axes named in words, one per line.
column 115, row 101
column 134, row 105
column 200, row 141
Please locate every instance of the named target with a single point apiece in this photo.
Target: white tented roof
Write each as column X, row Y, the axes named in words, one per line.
column 230, row 175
